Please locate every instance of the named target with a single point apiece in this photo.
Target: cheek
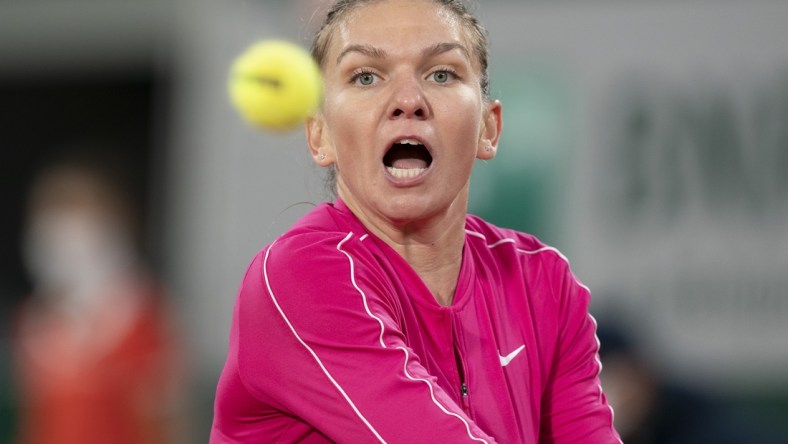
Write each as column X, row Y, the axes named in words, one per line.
column 352, row 124
column 462, row 107
column 342, row 112
column 332, row 111
column 463, row 129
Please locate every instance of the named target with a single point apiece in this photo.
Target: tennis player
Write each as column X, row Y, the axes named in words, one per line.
column 392, row 315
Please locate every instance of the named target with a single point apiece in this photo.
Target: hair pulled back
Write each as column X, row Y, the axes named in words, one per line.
column 476, row 32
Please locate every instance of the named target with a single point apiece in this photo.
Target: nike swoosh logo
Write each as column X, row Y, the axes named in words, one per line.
column 505, row 360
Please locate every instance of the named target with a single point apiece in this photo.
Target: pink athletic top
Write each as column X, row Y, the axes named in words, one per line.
column 336, row 339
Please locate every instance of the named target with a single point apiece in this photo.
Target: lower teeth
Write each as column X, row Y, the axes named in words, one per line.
column 404, row 173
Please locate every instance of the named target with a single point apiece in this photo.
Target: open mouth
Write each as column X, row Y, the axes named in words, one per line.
column 407, row 158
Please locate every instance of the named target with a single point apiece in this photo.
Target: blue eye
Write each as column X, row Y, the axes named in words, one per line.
column 443, row 76
column 364, row 78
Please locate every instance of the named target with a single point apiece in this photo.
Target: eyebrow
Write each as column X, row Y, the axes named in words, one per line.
column 367, row 50
column 441, row 48
column 377, row 53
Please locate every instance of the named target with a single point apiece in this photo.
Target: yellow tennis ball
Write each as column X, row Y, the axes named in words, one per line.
column 275, row 84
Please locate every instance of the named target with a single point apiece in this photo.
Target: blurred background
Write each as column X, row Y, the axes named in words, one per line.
column 648, row 140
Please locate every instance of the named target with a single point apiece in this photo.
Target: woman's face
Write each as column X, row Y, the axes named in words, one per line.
column 403, row 117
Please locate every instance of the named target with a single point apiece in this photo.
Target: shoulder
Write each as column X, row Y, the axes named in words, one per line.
column 504, row 243
column 328, row 249
column 521, row 261
column 317, row 237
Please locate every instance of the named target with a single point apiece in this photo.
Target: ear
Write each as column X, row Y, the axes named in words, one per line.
column 317, row 139
column 491, row 126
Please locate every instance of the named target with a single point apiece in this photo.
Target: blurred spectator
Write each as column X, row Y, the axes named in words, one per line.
column 95, row 352
column 651, row 410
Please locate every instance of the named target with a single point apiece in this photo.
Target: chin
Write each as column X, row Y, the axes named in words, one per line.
column 405, row 209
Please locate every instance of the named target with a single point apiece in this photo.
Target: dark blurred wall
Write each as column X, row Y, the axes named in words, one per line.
column 46, row 118
column 77, row 79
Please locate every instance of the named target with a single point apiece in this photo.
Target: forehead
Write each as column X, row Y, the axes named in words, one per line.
column 398, row 24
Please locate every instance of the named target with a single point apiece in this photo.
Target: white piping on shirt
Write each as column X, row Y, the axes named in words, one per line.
column 404, row 350
column 363, row 296
column 312, row 352
column 577, row 281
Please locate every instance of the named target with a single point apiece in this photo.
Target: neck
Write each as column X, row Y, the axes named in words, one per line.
column 436, row 259
column 432, row 247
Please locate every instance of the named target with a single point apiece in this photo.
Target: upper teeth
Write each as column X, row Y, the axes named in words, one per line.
column 409, row 142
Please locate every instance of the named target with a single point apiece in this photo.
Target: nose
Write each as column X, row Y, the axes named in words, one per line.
column 408, row 100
